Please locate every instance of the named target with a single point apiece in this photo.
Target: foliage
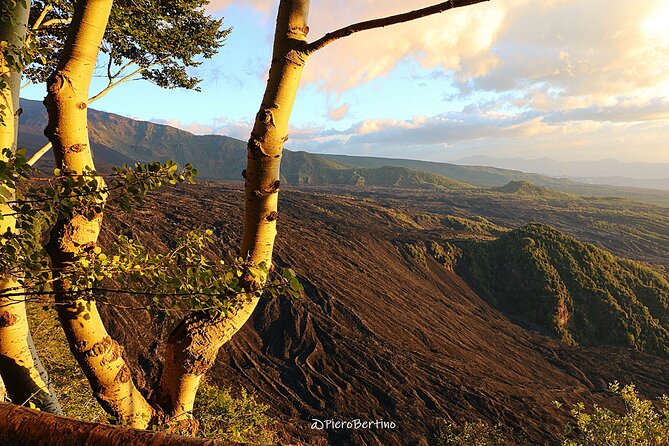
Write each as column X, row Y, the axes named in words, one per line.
column 155, row 40
column 478, row 433
column 642, row 424
column 236, row 419
column 183, row 279
column 62, row 198
column 582, row 293
column 446, row 254
column 476, row 224
column 415, row 251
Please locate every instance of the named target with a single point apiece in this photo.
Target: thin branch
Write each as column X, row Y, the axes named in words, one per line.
column 54, row 22
column 92, row 290
column 111, row 85
column 109, row 67
column 386, row 21
column 39, row 154
column 42, row 14
column 122, row 69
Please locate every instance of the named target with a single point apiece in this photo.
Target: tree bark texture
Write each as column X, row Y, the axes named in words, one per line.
column 24, row 375
column 193, row 345
column 20, row 426
column 100, row 357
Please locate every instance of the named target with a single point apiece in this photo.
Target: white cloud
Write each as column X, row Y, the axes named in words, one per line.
column 581, row 78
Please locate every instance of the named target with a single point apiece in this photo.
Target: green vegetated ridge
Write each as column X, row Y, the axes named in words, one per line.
column 579, row 292
column 529, row 189
column 116, row 139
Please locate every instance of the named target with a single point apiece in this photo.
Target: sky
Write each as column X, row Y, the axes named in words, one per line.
column 565, row 79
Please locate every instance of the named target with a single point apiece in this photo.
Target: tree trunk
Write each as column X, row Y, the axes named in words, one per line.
column 100, row 357
column 23, row 373
column 192, row 347
column 20, row 426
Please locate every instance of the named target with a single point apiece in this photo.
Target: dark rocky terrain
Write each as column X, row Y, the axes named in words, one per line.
column 427, row 296
column 382, row 333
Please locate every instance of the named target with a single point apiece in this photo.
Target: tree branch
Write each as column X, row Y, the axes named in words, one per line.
column 54, row 22
column 21, row 426
column 41, row 17
column 386, row 21
column 39, row 154
column 125, row 78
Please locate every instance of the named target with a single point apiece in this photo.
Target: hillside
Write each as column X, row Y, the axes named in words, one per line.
column 483, row 176
column 525, row 188
column 378, row 334
column 116, row 139
column 577, row 291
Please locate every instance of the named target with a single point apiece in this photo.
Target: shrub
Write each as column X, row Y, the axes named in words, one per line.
column 642, row 424
column 236, row 419
column 478, row 433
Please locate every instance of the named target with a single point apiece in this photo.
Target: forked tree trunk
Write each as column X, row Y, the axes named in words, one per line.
column 24, row 376
column 100, row 357
column 192, row 347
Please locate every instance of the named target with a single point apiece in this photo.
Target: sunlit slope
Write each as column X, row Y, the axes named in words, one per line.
column 117, row 139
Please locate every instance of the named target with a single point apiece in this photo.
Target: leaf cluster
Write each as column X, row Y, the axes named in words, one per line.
column 183, row 279
column 156, row 40
column 642, row 423
column 63, row 197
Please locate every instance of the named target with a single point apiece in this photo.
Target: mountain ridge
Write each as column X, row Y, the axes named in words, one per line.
column 597, row 171
column 116, row 138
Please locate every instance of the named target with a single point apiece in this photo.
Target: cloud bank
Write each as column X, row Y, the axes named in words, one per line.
column 561, row 75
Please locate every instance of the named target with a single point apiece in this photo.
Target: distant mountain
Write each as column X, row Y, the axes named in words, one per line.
column 607, row 171
column 648, row 183
column 483, row 176
column 116, row 139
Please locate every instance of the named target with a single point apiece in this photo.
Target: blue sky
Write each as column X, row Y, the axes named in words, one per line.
column 566, row 79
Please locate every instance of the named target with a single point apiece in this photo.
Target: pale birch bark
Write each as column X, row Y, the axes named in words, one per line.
column 100, row 357
column 22, row 371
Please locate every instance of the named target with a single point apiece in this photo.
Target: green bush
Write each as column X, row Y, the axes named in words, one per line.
column 642, row 424
column 236, row 419
column 478, row 433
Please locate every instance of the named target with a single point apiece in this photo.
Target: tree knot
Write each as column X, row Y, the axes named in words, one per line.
column 8, row 319
column 269, row 190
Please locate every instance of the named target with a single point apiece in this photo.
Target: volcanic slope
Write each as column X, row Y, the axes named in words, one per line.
column 378, row 335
